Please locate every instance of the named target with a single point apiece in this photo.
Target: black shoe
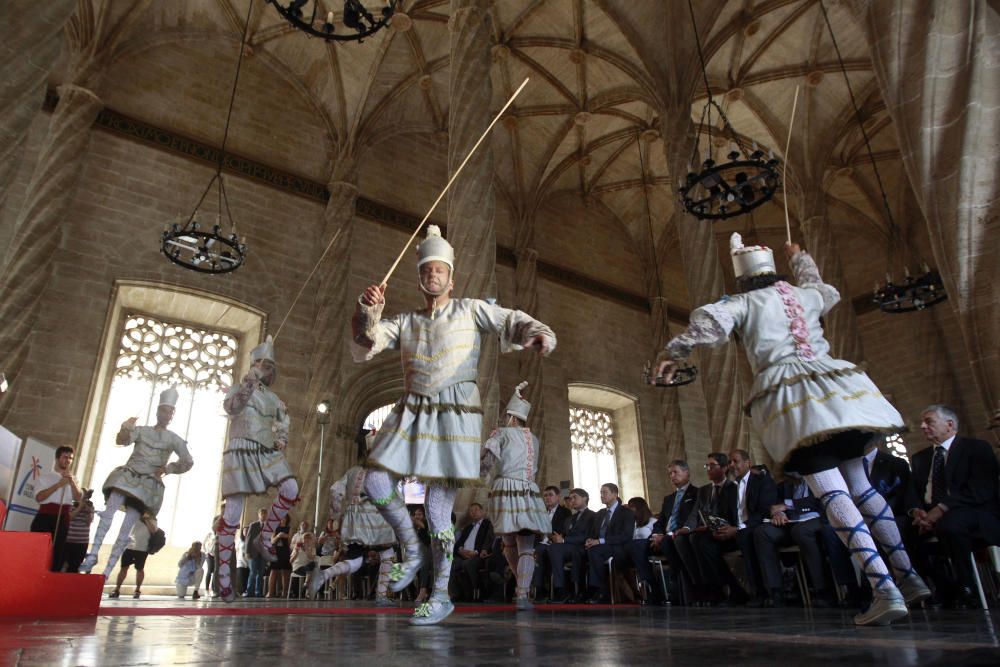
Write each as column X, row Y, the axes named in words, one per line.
column 561, row 597
column 113, row 594
column 600, row 598
column 966, row 599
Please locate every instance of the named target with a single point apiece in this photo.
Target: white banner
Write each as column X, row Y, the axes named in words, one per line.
column 36, row 458
column 10, row 448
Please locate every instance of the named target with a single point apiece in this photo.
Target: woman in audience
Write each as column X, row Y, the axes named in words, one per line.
column 281, row 568
column 304, row 556
column 638, row 549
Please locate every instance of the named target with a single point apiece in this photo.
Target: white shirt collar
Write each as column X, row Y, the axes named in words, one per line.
column 744, row 478
column 947, row 444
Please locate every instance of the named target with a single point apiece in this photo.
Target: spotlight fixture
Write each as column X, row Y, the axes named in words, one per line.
column 359, row 21
column 727, row 189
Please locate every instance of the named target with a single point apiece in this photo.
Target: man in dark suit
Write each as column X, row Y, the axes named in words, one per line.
column 744, row 506
column 255, row 559
column 612, row 529
column 708, row 502
column 568, row 544
column 955, row 484
column 558, row 514
column 796, row 519
column 675, row 513
column 471, row 549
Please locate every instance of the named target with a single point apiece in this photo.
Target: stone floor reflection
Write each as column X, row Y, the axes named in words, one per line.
column 624, row 635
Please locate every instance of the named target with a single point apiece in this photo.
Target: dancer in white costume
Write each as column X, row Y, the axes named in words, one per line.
column 815, row 414
column 515, row 504
column 435, row 430
column 137, row 484
column 362, row 529
column 254, row 459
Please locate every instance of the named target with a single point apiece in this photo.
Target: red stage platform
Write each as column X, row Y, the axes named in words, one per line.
column 30, row 590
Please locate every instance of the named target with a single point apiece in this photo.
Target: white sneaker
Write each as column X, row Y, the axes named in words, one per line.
column 914, row 589
column 887, row 606
column 402, row 574
column 433, row 612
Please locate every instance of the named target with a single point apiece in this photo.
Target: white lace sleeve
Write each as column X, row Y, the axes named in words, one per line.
column 807, row 277
column 709, row 325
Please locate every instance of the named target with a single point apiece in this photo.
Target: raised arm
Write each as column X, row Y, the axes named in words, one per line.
column 370, row 334
column 239, row 395
column 807, row 276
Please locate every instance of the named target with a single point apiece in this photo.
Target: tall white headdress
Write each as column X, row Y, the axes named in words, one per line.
column 750, row 261
column 169, row 397
column 435, row 247
column 264, row 351
column 517, row 406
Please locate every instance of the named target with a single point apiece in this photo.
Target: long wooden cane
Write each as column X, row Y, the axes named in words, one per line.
column 784, row 171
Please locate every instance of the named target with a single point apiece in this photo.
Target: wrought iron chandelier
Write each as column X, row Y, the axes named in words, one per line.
column 357, row 19
column 194, row 244
column 736, row 187
column 684, row 374
column 913, row 293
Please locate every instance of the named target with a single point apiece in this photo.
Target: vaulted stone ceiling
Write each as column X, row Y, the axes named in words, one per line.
column 576, row 130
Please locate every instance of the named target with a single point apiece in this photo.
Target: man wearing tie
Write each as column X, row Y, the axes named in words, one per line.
column 674, row 515
column 613, row 529
column 744, row 506
column 558, row 514
column 569, row 545
column 956, row 483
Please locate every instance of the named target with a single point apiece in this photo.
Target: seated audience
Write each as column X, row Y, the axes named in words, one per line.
column 568, row 545
column 638, row 550
column 612, row 529
column 558, row 513
column 955, row 485
column 795, row 520
column 743, row 506
column 471, row 549
column 676, row 514
column 304, row 557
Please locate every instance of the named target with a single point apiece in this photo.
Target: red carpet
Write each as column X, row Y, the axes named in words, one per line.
column 30, row 590
column 222, row 610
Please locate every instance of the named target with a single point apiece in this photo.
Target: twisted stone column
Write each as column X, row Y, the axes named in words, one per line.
column 472, row 200
column 937, row 70
column 32, row 39
column 334, row 305
column 529, row 364
column 38, row 228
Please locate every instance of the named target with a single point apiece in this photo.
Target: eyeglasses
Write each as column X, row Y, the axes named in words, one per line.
column 709, row 466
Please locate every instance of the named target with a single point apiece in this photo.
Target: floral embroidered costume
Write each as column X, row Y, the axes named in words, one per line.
column 515, row 505
column 814, row 414
column 435, row 430
column 137, row 484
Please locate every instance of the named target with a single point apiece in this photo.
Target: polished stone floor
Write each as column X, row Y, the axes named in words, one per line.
column 174, row 632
